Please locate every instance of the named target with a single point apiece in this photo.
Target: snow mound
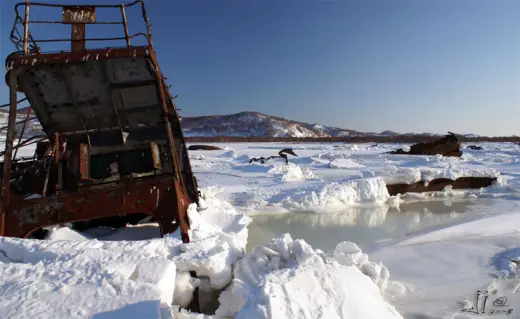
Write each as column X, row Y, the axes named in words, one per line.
column 349, row 254
column 218, row 218
column 345, row 163
column 336, row 195
column 77, row 277
column 329, row 156
column 198, row 157
column 287, row 278
column 229, row 154
column 65, row 233
column 394, row 174
column 63, row 279
column 291, row 172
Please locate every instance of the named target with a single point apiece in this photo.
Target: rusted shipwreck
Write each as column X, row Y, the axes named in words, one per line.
column 111, row 144
column 449, row 145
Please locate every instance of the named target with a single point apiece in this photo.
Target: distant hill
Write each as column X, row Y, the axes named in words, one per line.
column 254, row 124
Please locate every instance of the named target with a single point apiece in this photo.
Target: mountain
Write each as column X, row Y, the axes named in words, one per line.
column 389, row 133
column 254, row 124
column 243, row 124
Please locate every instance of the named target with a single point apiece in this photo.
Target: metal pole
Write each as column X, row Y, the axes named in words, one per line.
column 125, row 25
column 11, row 131
column 57, row 156
column 23, row 131
column 183, row 221
column 147, row 22
column 26, row 29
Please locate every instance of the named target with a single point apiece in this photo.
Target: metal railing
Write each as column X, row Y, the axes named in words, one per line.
column 77, row 16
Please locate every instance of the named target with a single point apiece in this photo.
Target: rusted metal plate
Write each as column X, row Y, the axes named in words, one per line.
column 93, row 95
column 16, row 61
column 81, row 15
column 154, row 197
column 156, row 155
column 84, row 162
column 78, row 35
column 174, row 198
column 5, row 193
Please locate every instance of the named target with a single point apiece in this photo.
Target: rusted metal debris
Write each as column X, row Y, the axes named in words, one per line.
column 282, row 154
column 113, row 141
column 439, row 184
column 446, row 146
column 113, row 150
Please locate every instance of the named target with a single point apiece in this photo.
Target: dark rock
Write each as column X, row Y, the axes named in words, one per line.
column 399, row 151
column 282, row 154
column 475, row 147
column 446, row 146
column 438, row 184
column 39, row 233
column 204, row 148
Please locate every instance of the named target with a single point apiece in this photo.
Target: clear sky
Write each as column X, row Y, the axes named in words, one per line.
column 368, row 65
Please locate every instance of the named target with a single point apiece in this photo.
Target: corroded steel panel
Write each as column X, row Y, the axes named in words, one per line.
column 78, row 34
column 78, row 96
column 151, row 196
column 156, row 156
column 82, row 15
column 84, row 162
column 16, row 60
column 78, row 17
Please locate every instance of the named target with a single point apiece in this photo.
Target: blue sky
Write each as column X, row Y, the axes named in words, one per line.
column 368, row 65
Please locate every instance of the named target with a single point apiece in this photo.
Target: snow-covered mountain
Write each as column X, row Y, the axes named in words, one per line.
column 253, row 124
column 243, row 124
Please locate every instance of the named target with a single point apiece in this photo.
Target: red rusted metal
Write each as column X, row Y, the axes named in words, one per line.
column 156, row 157
column 69, row 16
column 6, row 169
column 78, row 37
column 78, row 14
column 84, row 162
column 125, row 26
column 26, row 29
column 177, row 187
column 78, row 17
column 16, row 61
column 57, row 154
column 148, row 196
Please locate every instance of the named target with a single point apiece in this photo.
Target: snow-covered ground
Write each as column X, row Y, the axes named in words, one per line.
column 434, row 272
column 331, row 177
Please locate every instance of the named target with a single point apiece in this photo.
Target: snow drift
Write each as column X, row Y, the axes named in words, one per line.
column 286, row 278
column 78, row 277
column 337, row 195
